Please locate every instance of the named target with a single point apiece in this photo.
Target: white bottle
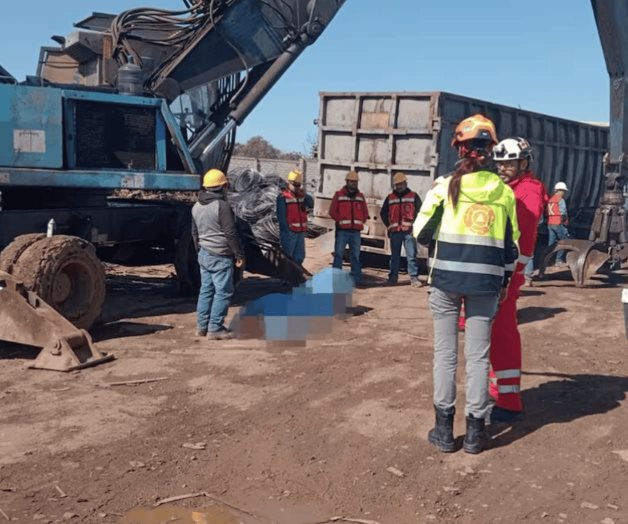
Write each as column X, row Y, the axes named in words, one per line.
column 51, row 227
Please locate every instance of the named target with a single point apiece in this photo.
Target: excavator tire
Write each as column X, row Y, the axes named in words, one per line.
column 66, row 273
column 12, row 253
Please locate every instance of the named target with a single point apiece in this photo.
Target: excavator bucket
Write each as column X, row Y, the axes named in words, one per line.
column 27, row 319
column 584, row 258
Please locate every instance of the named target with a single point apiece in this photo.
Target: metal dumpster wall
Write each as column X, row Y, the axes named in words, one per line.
column 378, row 134
column 564, row 150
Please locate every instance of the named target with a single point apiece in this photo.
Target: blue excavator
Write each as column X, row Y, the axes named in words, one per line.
column 128, row 105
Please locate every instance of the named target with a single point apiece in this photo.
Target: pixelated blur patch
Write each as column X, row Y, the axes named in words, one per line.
column 171, row 513
column 308, row 312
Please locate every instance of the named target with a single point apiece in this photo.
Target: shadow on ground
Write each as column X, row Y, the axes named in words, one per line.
column 535, row 313
column 562, row 400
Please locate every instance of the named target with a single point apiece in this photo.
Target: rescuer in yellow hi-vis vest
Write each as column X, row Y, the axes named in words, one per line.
column 469, row 220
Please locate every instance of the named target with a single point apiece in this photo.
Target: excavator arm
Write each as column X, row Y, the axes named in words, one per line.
column 608, row 238
column 212, row 61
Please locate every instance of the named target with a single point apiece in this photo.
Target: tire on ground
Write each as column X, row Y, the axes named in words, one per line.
column 67, row 274
column 11, row 254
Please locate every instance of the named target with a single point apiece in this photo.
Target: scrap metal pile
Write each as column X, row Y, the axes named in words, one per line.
column 253, row 198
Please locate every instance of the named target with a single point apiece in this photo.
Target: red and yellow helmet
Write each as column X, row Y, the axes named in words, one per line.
column 476, row 127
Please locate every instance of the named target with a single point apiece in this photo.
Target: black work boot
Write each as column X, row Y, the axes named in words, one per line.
column 442, row 435
column 476, row 438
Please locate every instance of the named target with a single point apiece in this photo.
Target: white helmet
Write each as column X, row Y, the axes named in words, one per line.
column 515, row 148
column 560, row 186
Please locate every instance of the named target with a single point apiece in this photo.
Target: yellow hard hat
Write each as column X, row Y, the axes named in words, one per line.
column 399, row 178
column 295, row 176
column 352, row 176
column 214, row 178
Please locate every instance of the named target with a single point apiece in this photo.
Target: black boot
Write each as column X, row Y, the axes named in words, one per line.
column 442, row 435
column 476, row 438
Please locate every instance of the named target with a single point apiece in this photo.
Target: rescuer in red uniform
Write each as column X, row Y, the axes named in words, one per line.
column 513, row 157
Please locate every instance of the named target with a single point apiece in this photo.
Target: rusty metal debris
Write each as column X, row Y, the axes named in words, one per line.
column 27, row 319
column 583, row 257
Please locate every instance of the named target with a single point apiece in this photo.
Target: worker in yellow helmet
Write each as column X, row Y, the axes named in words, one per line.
column 398, row 213
column 292, row 207
column 219, row 249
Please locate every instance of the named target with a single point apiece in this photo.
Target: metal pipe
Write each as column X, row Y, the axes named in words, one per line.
column 258, row 90
column 217, row 140
column 253, row 95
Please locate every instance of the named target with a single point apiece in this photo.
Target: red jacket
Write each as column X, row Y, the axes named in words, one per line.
column 531, row 198
column 348, row 211
column 296, row 212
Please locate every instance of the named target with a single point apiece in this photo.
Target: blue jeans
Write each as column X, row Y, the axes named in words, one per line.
column 557, row 233
column 293, row 245
column 351, row 237
column 216, row 291
column 398, row 239
column 529, row 269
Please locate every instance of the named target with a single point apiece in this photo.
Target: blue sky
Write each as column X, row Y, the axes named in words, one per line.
column 540, row 55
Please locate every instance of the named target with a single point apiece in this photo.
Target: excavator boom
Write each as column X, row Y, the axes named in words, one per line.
column 608, row 238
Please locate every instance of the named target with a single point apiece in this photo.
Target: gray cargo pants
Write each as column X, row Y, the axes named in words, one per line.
column 479, row 313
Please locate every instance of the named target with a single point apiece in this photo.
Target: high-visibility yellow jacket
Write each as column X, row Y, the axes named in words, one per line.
column 473, row 246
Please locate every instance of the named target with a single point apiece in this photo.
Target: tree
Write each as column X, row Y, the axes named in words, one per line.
column 259, row 147
column 311, row 146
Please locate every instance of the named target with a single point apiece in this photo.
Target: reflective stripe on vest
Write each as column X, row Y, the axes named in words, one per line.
column 358, row 198
column 508, row 388
column 475, row 240
column 508, row 373
column 467, row 267
column 401, row 212
column 296, row 214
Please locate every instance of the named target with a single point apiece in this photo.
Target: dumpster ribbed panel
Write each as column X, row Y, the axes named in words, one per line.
column 378, row 134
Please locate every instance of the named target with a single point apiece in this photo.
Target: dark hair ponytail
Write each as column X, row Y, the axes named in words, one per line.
column 465, row 166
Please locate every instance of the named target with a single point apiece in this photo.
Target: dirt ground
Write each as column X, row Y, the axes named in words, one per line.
column 298, row 435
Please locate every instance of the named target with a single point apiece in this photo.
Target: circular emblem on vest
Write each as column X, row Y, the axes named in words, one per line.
column 479, row 218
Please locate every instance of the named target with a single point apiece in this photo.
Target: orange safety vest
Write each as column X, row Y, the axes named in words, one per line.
column 401, row 211
column 296, row 213
column 349, row 212
column 554, row 218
